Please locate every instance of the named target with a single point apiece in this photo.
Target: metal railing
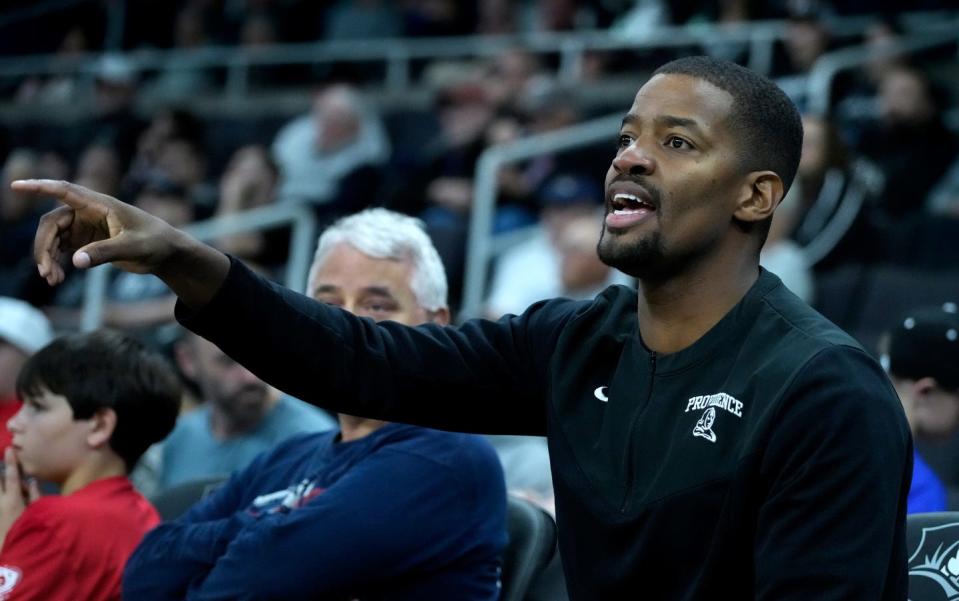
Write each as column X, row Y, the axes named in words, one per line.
column 482, row 246
column 824, row 72
column 302, row 241
column 398, row 54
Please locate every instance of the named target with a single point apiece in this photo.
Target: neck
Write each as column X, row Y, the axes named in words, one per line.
column 354, row 428
column 675, row 313
column 225, row 425
column 97, row 467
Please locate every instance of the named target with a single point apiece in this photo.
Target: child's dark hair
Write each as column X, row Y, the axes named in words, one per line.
column 107, row 369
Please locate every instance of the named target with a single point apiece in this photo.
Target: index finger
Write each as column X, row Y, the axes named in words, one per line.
column 74, row 196
column 11, row 472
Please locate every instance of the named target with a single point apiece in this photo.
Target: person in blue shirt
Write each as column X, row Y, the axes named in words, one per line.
column 375, row 511
column 921, row 355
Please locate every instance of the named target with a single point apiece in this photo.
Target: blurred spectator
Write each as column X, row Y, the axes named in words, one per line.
column 167, row 124
column 241, row 416
column 92, row 404
column 331, row 156
column 921, row 354
column 784, row 257
column 23, row 331
column 513, row 78
column 99, row 169
column 183, row 76
column 909, row 143
column 250, row 181
column 532, row 270
column 19, row 217
column 828, row 211
column 362, row 20
column 496, row 17
column 807, row 39
column 114, row 123
column 581, row 274
column 422, row 18
column 415, row 513
column 63, row 87
column 183, row 160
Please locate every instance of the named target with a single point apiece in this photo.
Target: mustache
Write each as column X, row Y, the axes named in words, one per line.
column 655, row 195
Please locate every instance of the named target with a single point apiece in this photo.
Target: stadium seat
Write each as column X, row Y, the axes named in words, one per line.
column 532, row 542
column 932, row 544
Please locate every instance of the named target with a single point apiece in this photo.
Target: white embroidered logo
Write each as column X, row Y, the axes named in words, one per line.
column 600, row 394
column 9, row 577
column 704, row 427
column 709, row 403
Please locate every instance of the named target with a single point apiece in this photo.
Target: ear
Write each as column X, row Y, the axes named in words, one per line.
column 440, row 316
column 102, row 425
column 761, row 195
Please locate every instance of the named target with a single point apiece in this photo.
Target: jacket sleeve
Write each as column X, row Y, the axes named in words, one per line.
column 837, row 466
column 394, row 513
column 455, row 378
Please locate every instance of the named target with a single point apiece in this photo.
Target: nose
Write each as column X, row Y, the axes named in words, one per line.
column 634, row 160
column 14, row 423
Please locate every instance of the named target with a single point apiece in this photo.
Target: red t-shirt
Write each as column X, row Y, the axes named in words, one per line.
column 8, row 408
column 65, row 548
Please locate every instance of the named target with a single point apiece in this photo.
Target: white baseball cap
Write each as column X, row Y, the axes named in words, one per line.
column 23, row 325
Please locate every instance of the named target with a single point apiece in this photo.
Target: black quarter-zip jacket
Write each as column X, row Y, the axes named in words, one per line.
column 769, row 460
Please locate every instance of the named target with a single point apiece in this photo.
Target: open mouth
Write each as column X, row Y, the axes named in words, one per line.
column 624, row 203
column 627, row 209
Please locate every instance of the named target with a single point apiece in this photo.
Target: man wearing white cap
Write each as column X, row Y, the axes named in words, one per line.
column 23, row 331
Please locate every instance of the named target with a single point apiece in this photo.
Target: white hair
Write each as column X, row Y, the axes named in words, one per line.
column 383, row 234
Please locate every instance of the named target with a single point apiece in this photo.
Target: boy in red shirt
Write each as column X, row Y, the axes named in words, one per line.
column 93, row 403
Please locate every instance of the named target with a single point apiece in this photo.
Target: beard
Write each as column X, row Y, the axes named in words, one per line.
column 644, row 259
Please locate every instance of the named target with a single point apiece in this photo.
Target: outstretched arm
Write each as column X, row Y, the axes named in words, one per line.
column 95, row 229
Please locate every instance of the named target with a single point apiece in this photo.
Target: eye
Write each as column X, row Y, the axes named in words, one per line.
column 623, row 141
column 678, row 143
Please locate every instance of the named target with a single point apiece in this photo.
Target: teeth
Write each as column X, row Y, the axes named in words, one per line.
column 622, row 196
column 626, row 211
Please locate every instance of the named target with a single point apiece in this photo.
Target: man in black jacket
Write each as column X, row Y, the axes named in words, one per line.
column 710, row 436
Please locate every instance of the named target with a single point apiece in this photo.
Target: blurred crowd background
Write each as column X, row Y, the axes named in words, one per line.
column 198, row 110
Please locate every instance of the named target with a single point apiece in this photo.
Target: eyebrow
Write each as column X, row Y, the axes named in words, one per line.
column 668, row 121
column 379, row 290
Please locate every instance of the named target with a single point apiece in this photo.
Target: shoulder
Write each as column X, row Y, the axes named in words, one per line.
column 452, row 451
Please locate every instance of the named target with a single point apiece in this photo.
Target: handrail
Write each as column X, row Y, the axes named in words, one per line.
column 302, row 242
column 397, row 53
column 819, row 82
column 481, row 244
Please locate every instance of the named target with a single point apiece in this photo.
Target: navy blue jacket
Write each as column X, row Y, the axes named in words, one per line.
column 404, row 513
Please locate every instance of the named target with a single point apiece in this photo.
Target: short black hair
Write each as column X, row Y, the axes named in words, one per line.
column 766, row 122
column 107, row 369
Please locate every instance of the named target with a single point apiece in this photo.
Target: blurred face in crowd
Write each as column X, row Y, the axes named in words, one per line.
column 580, row 268
column 230, row 387
column 673, row 186
column 172, row 208
column 904, row 97
column 99, row 169
column 805, row 41
column 932, row 411
column 815, row 146
column 14, row 205
column 335, row 119
column 370, row 287
column 48, row 442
